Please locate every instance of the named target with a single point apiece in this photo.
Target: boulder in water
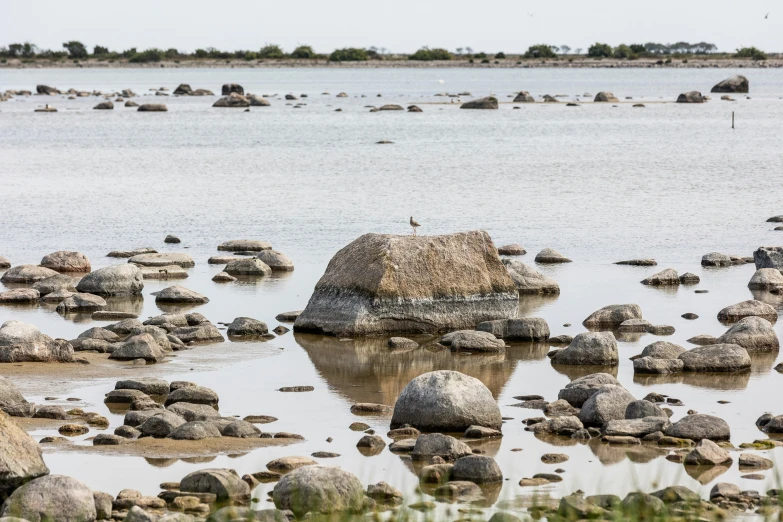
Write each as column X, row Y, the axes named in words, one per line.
column 21, row 342
column 766, row 279
column 749, row 308
column 529, row 280
column 244, row 245
column 20, row 454
column 579, row 390
column 668, row 277
column 754, row 334
column 605, row 96
column 27, row 274
column 769, row 257
column 248, row 267
column 489, row 102
column 64, row 261
column 736, row 83
column 608, row 403
column 716, row 358
column 232, row 100
column 612, row 316
column 589, row 348
column 524, row 97
column 115, row 280
column 152, row 107
column 691, row 97
column 275, row 260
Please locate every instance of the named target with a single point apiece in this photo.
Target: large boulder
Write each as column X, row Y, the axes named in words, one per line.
column 736, row 83
column 141, row 346
column 275, row 260
column 691, row 97
column 479, row 469
column 529, row 280
column 590, row 348
column 27, row 274
column 662, row 350
column 446, row 401
column 115, row 280
column 763, row 279
column 56, row 283
column 716, row 259
column 229, row 88
column 489, row 102
column 473, row 341
column 768, row 257
column 523, row 329
column 319, row 489
column 225, row 484
column 608, row 403
column 752, row 333
column 381, row 284
column 612, row 316
column 64, row 261
column 431, row 445
column 232, row 100
column 51, row 498
column 551, row 256
column 699, row 426
column 159, row 260
column 716, row 358
column 20, row 455
column 654, row 365
column 22, row 342
column 749, row 308
column 579, row 390
column 605, row 96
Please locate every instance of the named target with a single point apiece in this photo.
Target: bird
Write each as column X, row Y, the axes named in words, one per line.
column 414, row 224
column 767, row 16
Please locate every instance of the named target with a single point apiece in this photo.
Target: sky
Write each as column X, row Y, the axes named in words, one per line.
column 400, row 26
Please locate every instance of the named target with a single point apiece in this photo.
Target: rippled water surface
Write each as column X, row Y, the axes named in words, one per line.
column 600, row 183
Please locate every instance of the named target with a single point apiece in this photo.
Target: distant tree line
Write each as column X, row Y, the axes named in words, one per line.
column 76, row 50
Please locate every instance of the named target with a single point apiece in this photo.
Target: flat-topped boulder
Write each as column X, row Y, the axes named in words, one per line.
column 736, row 83
column 612, row 316
column 589, row 348
column 489, row 102
column 64, row 261
column 752, row 333
column 131, row 253
column 446, row 401
column 159, row 260
column 115, row 280
column 27, row 274
column 247, row 267
column 716, row 358
column 662, row 350
column 20, row 454
column 749, row 308
column 382, row 284
column 606, row 96
column 472, row 341
column 19, row 296
column 716, row 259
column 768, row 257
column 153, row 107
column 523, row 329
column 21, row 342
column 637, row 262
column 766, row 279
column 691, row 97
column 529, row 280
column 248, row 245
column 275, row 260
column 511, row 250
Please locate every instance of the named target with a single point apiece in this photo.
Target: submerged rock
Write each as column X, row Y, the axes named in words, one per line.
column 151, row 107
column 473, row 341
column 446, row 401
column 161, row 260
column 383, row 284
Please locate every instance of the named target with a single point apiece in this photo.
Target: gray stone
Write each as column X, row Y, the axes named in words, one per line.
column 446, row 401
column 202, row 333
column 736, row 83
column 473, row 341
column 716, row 259
column 634, row 325
column 51, row 497
column 21, row 342
column 668, row 277
column 193, row 395
column 232, row 100
column 511, row 250
column 749, row 308
column 716, row 358
column 523, row 329
column 579, row 390
column 241, row 430
column 160, row 260
column 141, row 346
column 64, row 261
column 707, row 453
column 608, row 403
column 662, row 350
column 319, row 489
column 180, row 294
column 115, row 280
column 673, row 494
column 635, row 427
column 239, row 245
column 482, row 103
column 194, row 430
column 161, row 423
column 769, row 257
column 691, row 97
column 81, row 303
column 589, row 348
column 102, row 505
column 763, row 279
column 20, row 455
column 247, row 327
column 479, row 469
column 194, row 412
column 275, row 260
column 27, row 274
column 612, row 316
column 754, row 334
column 605, row 96
column 19, row 295
column 225, row 484
column 59, row 282
column 148, row 385
column 438, row 445
column 641, row 409
column 153, row 107
column 529, row 280
column 551, row 256
column 699, row 426
column 247, row 267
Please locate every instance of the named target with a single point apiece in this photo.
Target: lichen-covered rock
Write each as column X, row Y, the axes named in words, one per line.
column 752, row 333
column 20, row 455
column 115, row 280
column 319, row 489
column 529, row 280
column 590, row 348
column 64, row 261
column 382, row 284
column 612, row 316
column 446, row 401
column 716, row 358
column 749, row 308
column 21, row 342
column 51, row 497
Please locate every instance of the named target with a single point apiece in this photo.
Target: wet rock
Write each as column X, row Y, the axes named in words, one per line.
column 529, row 280
column 12, row 400
column 239, row 245
column 716, row 358
column 612, row 316
column 204, row 332
column 280, row 329
column 20, row 342
column 446, row 401
column 378, row 285
column 51, row 497
column 579, row 390
column 115, row 280
column 20, row 455
column 193, row 395
column 634, row 325
column 525, row 329
column 81, row 303
column 589, row 348
column 319, row 489
column 141, row 346
column 443, row 446
column 561, row 339
column 736, row 83
column 473, row 341
column 277, row 261
column 511, row 250
column 19, row 295
column 707, row 453
column 195, row 430
column 368, row 408
column 4, row 262
column 551, row 256
column 608, row 403
column 698, row 427
column 638, row 427
column 72, row 430
column 478, row 469
column 180, row 294
column 225, row 484
column 64, row 261
column 749, row 308
column 162, row 260
column 489, row 102
column 763, row 279
column 246, row 326
column 103, row 505
column 754, row 461
column 124, row 396
column 668, row 277
column 754, row 334
column 690, row 97
column 296, row 389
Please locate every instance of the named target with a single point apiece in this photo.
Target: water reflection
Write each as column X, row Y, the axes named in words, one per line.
column 573, row 371
column 705, row 474
column 531, row 304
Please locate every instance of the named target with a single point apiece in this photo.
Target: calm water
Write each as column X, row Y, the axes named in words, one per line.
column 597, row 182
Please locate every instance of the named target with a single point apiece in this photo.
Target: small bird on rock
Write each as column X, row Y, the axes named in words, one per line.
column 414, row 224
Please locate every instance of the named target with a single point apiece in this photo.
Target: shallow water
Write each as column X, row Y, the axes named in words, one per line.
column 597, row 182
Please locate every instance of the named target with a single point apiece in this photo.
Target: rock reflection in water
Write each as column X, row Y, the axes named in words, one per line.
column 705, row 474
column 714, row 381
column 765, row 296
column 366, row 370
column 531, row 304
column 612, row 454
column 573, row 371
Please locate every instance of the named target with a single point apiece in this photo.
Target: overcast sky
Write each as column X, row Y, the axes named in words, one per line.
column 399, row 25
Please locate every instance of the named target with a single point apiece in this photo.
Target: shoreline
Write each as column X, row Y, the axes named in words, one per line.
column 585, row 63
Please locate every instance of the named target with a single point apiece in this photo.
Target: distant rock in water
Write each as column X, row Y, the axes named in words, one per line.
column 489, row 102
column 153, row 107
column 381, row 284
column 229, row 88
column 529, row 280
column 183, row 89
column 524, row 97
column 690, row 97
column 511, row 250
column 232, row 100
column 130, row 103
column 737, row 83
column 769, row 257
column 258, row 101
column 605, row 96
column 390, row 107
column 550, row 255
column 105, row 106
column 638, row 262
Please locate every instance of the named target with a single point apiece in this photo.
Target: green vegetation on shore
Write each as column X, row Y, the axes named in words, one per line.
column 76, row 51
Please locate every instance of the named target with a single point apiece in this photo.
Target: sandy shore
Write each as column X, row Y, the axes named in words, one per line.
column 576, row 63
